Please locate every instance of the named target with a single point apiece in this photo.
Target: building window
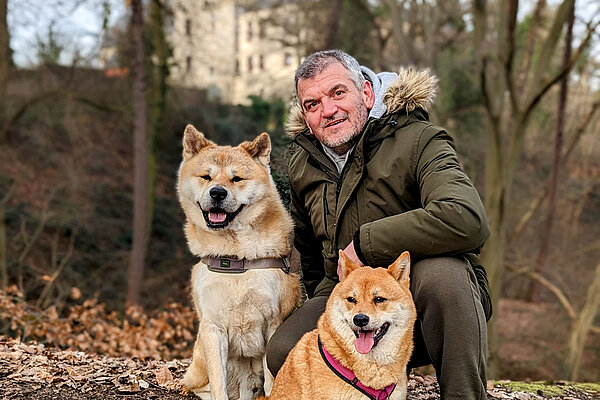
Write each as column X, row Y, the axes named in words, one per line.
column 250, row 31
column 250, row 64
column 261, row 62
column 287, row 59
column 237, row 67
column 188, row 64
column 262, row 29
column 188, row 27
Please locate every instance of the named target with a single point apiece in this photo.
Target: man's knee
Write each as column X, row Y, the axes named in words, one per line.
column 276, row 354
column 289, row 333
column 442, row 282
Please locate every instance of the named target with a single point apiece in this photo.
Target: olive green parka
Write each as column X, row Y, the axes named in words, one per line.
column 402, row 188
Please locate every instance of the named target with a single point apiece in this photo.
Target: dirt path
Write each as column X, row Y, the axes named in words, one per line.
column 32, row 371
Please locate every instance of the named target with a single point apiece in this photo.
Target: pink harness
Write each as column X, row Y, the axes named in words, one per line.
column 349, row 377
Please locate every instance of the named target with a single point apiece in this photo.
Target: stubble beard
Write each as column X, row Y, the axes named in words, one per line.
column 345, row 142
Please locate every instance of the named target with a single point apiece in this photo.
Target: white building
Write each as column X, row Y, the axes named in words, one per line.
column 231, row 49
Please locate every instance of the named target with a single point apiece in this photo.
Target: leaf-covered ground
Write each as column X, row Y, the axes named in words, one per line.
column 34, row 371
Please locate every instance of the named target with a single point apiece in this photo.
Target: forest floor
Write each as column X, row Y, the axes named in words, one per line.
column 34, row 371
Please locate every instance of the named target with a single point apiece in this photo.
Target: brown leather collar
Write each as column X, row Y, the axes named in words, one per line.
column 238, row 266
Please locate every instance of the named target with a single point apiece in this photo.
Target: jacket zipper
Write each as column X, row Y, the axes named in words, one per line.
column 325, row 212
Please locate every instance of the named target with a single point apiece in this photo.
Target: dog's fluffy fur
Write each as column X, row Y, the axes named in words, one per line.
column 384, row 297
column 233, row 209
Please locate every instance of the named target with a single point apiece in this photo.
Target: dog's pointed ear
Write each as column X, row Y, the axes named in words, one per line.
column 400, row 269
column 347, row 265
column 259, row 148
column 193, row 142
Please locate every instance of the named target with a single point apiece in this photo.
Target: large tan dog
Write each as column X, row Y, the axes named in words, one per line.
column 362, row 343
column 242, row 287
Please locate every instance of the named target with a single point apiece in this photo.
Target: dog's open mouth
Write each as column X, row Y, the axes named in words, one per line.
column 217, row 218
column 366, row 340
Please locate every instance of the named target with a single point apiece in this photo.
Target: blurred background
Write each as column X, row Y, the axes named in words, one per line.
column 95, row 95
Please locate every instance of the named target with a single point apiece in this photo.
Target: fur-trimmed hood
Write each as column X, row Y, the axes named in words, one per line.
column 411, row 89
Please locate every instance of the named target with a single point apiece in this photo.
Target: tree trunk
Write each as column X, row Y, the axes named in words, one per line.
column 331, row 41
column 4, row 64
column 140, row 148
column 509, row 113
column 3, row 266
column 493, row 256
column 581, row 327
column 535, row 287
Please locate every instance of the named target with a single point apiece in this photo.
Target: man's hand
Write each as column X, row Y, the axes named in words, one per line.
column 351, row 253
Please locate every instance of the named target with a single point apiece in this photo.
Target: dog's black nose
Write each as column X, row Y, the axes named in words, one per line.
column 218, row 193
column 361, row 320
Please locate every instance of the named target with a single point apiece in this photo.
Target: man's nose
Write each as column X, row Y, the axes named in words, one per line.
column 329, row 107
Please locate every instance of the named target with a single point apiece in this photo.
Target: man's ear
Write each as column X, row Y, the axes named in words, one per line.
column 306, row 122
column 368, row 94
column 193, row 142
column 400, row 269
column 259, row 148
column 347, row 265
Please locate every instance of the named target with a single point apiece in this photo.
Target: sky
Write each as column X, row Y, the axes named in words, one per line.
column 77, row 24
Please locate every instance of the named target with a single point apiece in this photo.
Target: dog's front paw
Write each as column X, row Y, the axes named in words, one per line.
column 197, row 383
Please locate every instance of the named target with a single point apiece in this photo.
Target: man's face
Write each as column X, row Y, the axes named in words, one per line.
column 333, row 108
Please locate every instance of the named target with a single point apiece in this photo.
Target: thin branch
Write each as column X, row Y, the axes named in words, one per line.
column 510, row 54
column 58, row 269
column 562, row 298
column 527, row 57
column 541, row 197
column 548, row 46
column 565, row 70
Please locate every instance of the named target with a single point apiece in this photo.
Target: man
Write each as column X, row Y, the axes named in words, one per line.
column 372, row 175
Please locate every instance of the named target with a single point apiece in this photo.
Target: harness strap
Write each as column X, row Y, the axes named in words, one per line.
column 349, row 377
column 238, row 266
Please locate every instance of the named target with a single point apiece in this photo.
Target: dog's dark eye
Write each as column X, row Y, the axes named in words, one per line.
column 379, row 299
column 351, row 300
column 205, row 177
column 236, row 179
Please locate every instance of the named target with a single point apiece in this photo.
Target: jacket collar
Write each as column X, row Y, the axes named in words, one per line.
column 412, row 90
column 349, row 377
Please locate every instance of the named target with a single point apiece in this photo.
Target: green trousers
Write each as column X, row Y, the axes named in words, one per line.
column 450, row 331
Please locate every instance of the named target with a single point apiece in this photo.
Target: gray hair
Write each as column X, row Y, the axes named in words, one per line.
column 317, row 62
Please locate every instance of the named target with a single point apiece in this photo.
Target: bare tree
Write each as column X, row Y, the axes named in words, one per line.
column 509, row 109
column 140, row 148
column 4, row 63
column 581, row 327
column 331, row 42
column 535, row 287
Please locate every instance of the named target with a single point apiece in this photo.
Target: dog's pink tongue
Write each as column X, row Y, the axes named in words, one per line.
column 216, row 217
column 365, row 342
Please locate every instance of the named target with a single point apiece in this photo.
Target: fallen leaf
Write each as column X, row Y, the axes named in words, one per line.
column 164, row 378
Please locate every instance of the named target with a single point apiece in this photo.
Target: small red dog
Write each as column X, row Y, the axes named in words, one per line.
column 362, row 343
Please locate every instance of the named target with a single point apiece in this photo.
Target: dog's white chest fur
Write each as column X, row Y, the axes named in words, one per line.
column 240, row 304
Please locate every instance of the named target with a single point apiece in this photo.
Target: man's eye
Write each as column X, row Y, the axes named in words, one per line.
column 311, row 106
column 339, row 92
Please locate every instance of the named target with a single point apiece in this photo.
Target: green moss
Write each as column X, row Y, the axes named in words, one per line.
column 533, row 387
column 548, row 389
column 591, row 387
